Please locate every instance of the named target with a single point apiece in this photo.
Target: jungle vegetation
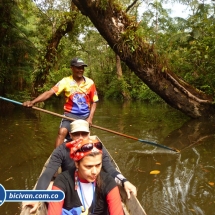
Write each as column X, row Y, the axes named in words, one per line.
column 39, row 38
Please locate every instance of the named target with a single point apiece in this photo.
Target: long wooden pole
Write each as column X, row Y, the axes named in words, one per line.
column 95, row 126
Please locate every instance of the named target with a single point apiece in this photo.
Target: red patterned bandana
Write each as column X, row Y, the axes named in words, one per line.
column 76, row 145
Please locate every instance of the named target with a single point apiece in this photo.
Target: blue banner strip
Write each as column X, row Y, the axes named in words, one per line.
column 34, row 195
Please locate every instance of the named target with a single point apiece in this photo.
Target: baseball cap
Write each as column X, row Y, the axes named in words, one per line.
column 79, row 125
column 77, row 62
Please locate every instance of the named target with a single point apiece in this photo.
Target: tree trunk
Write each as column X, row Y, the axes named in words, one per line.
column 118, row 67
column 51, row 53
column 120, row 77
column 118, row 29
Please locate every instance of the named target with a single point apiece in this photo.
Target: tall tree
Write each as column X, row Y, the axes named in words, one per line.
column 121, row 32
column 65, row 25
column 16, row 51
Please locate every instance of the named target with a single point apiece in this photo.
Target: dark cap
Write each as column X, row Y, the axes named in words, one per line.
column 77, row 62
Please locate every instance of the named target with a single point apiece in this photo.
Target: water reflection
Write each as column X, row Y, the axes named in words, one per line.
column 185, row 184
column 191, row 133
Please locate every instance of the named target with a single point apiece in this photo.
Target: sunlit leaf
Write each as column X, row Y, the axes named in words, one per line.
column 9, row 179
column 211, row 183
column 154, row 172
column 205, row 170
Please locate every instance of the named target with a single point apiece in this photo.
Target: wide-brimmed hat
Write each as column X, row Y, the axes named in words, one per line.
column 79, row 125
column 77, row 62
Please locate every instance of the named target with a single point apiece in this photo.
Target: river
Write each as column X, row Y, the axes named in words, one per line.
column 183, row 183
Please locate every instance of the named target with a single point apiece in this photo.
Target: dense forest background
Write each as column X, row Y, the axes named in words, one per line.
column 39, row 38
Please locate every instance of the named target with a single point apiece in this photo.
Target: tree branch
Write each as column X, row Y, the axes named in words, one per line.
column 131, row 5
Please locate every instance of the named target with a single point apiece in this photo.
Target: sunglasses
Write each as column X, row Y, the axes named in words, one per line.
column 89, row 146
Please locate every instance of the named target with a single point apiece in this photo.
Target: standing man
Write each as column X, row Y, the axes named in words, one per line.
column 80, row 94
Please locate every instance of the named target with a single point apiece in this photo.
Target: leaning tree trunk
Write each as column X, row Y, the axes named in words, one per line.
column 51, row 50
column 118, row 29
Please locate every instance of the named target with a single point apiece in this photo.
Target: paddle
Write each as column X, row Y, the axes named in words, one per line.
column 95, row 126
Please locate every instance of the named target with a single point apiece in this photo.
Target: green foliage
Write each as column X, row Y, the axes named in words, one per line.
column 140, row 91
column 114, row 91
column 129, row 39
column 194, row 50
column 56, row 76
column 16, row 51
column 103, row 4
column 188, row 45
column 21, row 96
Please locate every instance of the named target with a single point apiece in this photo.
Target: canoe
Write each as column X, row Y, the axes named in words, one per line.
column 130, row 206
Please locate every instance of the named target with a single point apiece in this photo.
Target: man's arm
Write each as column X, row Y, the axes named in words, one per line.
column 55, row 162
column 46, row 178
column 119, row 178
column 42, row 97
column 92, row 111
column 109, row 168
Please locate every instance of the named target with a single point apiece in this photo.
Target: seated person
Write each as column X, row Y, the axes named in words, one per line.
column 61, row 158
column 87, row 189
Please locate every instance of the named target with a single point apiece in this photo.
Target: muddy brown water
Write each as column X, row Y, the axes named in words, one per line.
column 186, row 180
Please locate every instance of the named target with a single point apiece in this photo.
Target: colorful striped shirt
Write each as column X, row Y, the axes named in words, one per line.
column 78, row 97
